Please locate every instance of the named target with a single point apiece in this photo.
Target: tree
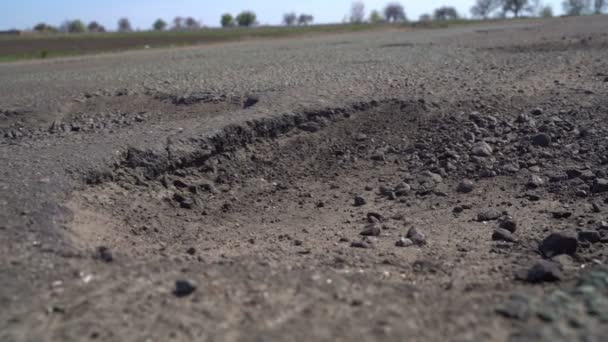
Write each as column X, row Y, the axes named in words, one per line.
column 74, row 26
column 445, row 13
column 576, row 7
column 95, row 27
column 375, row 17
column 159, row 25
column 357, row 12
column 483, row 8
column 289, row 19
column 425, row 18
column 515, row 6
column 178, row 23
column 227, row 20
column 192, row 24
column 599, row 5
column 124, row 25
column 546, row 12
column 42, row 27
column 246, row 18
column 305, row 19
column 394, row 12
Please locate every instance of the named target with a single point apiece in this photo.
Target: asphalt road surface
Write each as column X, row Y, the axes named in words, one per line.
column 420, row 185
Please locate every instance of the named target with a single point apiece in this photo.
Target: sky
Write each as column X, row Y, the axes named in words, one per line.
column 23, row 14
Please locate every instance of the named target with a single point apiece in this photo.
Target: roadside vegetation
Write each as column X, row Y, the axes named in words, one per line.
column 75, row 37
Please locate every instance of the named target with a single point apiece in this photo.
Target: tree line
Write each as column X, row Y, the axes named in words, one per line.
column 392, row 13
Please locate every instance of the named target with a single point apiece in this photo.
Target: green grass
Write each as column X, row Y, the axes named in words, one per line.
column 43, row 46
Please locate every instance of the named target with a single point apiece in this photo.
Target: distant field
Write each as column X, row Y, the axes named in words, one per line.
column 37, row 46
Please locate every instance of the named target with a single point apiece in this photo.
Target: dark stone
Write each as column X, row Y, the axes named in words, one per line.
column 359, row 244
column 592, row 236
column 541, row 271
column 542, row 140
column 561, row 214
column 508, row 224
column 600, row 185
column 183, row 288
column 360, row 201
column 251, row 101
column 573, row 173
column 418, row 238
column 501, row 234
column 559, row 243
column 191, row 251
column 465, row 186
column 104, row 254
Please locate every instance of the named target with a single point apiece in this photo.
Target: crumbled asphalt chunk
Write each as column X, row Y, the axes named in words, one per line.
column 360, row 201
column 465, row 186
column 482, row 149
column 541, row 271
column 417, row 237
column 183, row 288
column 559, row 243
column 501, row 234
column 542, row 140
column 489, row 214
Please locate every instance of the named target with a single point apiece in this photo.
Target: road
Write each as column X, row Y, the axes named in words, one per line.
column 234, row 167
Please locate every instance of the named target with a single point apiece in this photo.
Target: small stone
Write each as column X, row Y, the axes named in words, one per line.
column 183, row 288
column 535, row 182
column 104, row 254
column 359, row 244
column 542, row 140
column 510, row 168
column 191, row 251
column 251, row 101
column 541, row 271
column 360, row 201
column 573, row 173
column 537, row 111
column 465, row 186
column 508, row 224
column 404, row 242
column 592, row 236
column 559, row 243
column 310, row 126
column 501, row 234
column 482, row 149
column 372, row 229
column 518, row 307
column 418, row 238
column 489, row 214
column 600, row 185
